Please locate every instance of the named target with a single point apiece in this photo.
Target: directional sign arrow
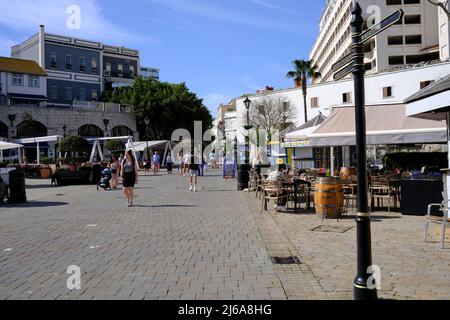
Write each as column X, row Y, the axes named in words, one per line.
column 343, row 72
column 342, row 62
column 383, row 25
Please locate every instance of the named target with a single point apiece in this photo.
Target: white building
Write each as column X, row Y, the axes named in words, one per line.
column 444, row 34
column 383, row 88
column 22, row 82
column 416, row 39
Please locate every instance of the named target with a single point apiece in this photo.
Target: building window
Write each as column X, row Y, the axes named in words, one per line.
column 68, row 62
column 33, row 81
column 387, row 92
column 413, row 19
column 395, row 40
column 314, row 102
column 53, row 92
column 396, row 60
column 94, row 94
column 94, row 65
column 68, row 93
column 17, row 79
column 414, row 39
column 120, row 70
column 286, row 106
column 425, row 84
column 53, row 63
column 347, row 97
column 82, row 94
column 411, row 1
column 393, row 2
column 131, row 71
column 108, row 69
column 82, row 64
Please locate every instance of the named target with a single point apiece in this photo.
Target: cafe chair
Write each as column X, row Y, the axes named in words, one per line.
column 444, row 220
column 273, row 191
column 381, row 191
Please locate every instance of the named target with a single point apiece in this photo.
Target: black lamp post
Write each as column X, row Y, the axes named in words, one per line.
column 363, row 231
column 248, row 127
column 64, row 129
column 106, row 123
column 147, row 123
column 12, row 118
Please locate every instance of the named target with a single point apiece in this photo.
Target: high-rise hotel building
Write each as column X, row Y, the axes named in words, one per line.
column 416, row 39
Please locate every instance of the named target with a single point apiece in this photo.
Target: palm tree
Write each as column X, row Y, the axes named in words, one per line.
column 304, row 70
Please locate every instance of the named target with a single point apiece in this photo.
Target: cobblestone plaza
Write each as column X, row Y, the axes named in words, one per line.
column 208, row 245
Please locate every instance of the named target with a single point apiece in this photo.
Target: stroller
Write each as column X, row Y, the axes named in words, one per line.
column 104, row 182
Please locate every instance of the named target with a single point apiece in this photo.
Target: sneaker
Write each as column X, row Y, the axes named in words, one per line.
column 195, row 188
column 190, row 188
column 282, row 209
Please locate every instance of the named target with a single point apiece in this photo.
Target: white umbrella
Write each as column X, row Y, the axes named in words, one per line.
column 8, row 146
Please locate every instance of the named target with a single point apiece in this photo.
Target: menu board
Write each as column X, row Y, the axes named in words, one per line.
column 229, row 170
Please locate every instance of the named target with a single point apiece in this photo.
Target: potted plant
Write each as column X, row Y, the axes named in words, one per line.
column 45, row 171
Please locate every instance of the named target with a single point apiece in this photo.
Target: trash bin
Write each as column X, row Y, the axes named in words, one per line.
column 243, row 176
column 17, row 193
column 96, row 173
column 2, row 190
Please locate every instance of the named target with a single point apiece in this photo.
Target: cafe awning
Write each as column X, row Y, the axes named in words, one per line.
column 4, row 145
column 385, row 124
column 433, row 102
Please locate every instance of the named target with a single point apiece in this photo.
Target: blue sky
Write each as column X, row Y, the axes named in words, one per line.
column 220, row 48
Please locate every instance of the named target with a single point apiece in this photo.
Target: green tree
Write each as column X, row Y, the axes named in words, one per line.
column 73, row 144
column 115, row 146
column 304, row 71
column 167, row 106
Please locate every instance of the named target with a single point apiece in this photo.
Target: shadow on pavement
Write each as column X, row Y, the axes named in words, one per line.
column 33, row 204
column 39, row 186
column 165, row 206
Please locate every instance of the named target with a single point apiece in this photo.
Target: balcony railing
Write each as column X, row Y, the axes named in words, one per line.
column 100, row 106
column 123, row 75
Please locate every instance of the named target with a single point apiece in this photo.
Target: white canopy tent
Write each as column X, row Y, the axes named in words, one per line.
column 37, row 141
column 143, row 145
column 4, row 145
column 97, row 148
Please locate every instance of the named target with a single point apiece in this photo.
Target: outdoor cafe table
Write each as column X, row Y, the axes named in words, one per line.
column 296, row 183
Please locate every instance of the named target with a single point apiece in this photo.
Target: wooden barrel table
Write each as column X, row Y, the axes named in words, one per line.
column 347, row 172
column 329, row 197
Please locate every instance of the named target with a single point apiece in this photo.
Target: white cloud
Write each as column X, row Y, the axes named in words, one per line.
column 27, row 15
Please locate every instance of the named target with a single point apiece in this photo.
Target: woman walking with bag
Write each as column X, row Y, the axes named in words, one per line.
column 129, row 175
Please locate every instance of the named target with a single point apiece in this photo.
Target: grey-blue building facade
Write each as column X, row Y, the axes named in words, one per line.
column 78, row 70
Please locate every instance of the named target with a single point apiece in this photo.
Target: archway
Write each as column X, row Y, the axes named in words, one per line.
column 90, row 131
column 122, row 131
column 31, row 129
column 3, row 130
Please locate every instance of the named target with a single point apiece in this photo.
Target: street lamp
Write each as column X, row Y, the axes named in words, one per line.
column 64, row 129
column 106, row 123
column 147, row 123
column 247, row 103
column 12, row 118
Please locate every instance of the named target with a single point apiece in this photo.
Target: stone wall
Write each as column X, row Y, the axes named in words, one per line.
column 55, row 119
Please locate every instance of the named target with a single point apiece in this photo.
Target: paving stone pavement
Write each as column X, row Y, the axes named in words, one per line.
column 410, row 268
column 172, row 245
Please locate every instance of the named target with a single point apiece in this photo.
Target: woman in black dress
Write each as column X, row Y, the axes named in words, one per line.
column 129, row 173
